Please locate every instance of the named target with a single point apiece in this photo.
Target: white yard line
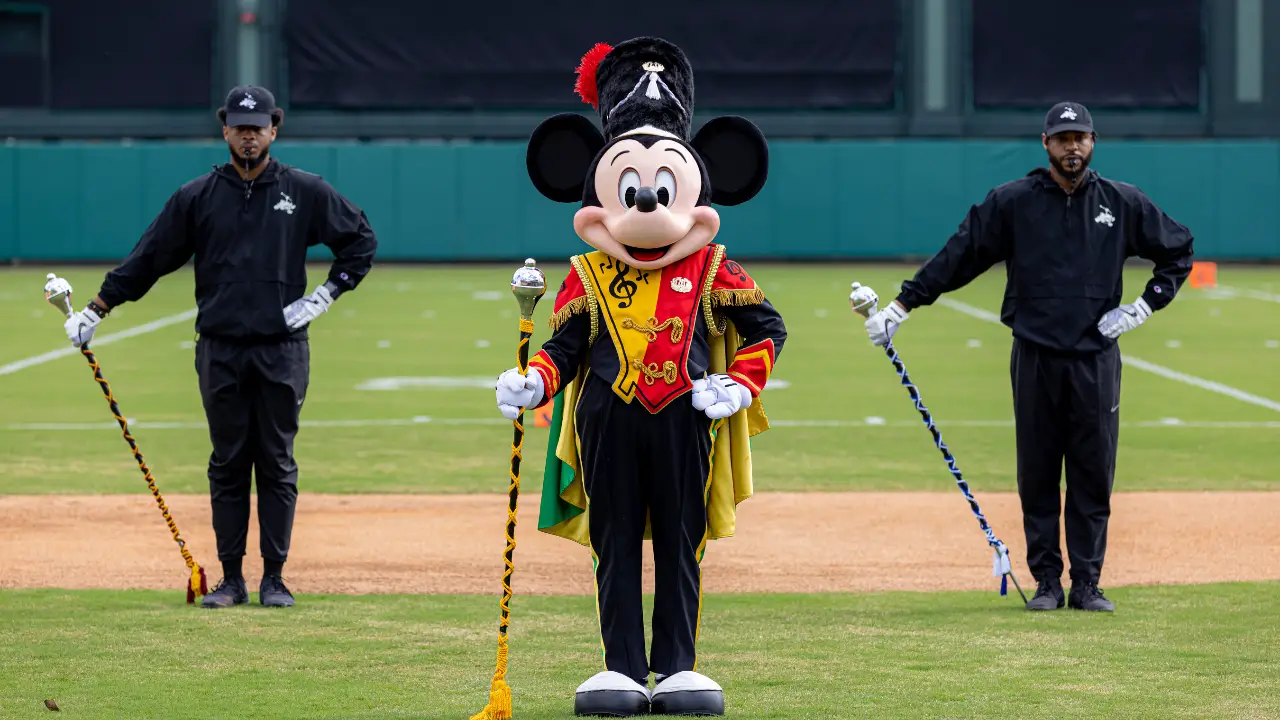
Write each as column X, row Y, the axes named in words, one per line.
column 1138, row 363
column 426, row 420
column 107, row 339
column 970, row 310
column 1255, row 294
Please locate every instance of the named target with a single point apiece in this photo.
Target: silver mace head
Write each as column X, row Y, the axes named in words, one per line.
column 865, row 309
column 60, row 299
column 528, row 285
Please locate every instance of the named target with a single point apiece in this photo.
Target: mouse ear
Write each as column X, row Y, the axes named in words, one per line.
column 737, row 158
column 560, row 153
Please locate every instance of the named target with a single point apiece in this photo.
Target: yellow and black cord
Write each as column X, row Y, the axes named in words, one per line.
column 198, row 584
column 500, row 706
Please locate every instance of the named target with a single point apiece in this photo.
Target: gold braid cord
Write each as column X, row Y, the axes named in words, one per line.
column 197, row 585
column 669, row 372
column 716, row 326
column 500, row 706
column 651, row 330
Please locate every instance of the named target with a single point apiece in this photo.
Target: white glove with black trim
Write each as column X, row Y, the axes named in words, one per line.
column 881, row 326
column 719, row 396
column 515, row 391
column 81, row 326
column 307, row 308
column 1124, row 318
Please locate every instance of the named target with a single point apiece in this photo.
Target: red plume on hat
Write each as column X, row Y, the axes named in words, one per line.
column 586, row 83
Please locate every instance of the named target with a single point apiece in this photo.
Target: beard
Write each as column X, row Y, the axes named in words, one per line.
column 249, row 163
column 1071, row 174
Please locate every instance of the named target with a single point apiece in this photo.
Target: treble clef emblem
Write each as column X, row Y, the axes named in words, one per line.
column 620, row 287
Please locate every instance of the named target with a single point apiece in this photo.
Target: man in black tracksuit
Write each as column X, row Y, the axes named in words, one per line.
column 1064, row 233
column 248, row 225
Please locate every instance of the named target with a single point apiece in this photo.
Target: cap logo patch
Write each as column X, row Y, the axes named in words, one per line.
column 652, row 66
column 248, row 101
column 1069, row 113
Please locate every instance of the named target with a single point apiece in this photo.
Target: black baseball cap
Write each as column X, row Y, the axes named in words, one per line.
column 249, row 105
column 1068, row 117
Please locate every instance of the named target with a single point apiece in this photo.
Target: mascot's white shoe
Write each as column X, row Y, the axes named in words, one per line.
column 611, row 694
column 688, row 693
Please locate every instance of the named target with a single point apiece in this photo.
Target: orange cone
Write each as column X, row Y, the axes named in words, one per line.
column 1204, row 275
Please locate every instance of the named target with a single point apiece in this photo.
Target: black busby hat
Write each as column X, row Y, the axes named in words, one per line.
column 643, row 85
column 645, row 81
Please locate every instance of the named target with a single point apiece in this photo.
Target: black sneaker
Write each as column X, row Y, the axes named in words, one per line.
column 1048, row 596
column 1088, row 596
column 273, row 593
column 228, row 592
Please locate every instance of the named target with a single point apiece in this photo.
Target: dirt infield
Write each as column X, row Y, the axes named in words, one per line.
column 787, row 542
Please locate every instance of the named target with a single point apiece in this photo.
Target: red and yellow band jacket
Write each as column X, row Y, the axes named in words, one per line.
column 650, row 334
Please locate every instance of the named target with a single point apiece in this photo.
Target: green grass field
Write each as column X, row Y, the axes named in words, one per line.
column 458, row 325
column 432, row 337
column 1196, row 652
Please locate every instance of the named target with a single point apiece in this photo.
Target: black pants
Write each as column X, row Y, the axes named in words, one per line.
column 253, row 395
column 639, row 466
column 1066, row 407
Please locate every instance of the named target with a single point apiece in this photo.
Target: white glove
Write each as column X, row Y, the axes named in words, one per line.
column 305, row 309
column 1124, row 318
column 80, row 327
column 719, row 396
column 882, row 325
column 516, row 391
column 863, row 297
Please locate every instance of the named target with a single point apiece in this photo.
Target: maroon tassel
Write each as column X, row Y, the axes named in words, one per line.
column 204, row 585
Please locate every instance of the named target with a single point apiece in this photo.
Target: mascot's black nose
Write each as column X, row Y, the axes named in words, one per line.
column 646, row 199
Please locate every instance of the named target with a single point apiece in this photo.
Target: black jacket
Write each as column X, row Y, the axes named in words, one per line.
column 1064, row 256
column 249, row 241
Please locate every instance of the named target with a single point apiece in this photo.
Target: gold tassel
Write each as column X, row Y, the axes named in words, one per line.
column 198, row 585
column 739, row 297
column 499, row 707
column 573, row 307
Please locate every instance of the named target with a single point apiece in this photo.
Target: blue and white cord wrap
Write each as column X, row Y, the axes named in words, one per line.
column 1000, row 563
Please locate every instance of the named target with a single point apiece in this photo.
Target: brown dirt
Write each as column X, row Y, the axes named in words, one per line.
column 793, row 542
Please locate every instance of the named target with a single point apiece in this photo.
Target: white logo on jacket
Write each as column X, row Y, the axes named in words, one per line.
column 1105, row 216
column 285, row 204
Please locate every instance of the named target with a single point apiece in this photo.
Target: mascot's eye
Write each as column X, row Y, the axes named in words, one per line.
column 666, row 187
column 627, row 187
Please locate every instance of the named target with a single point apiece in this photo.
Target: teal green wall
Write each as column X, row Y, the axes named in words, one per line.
column 444, row 201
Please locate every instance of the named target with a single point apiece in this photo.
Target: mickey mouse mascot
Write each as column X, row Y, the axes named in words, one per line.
column 660, row 349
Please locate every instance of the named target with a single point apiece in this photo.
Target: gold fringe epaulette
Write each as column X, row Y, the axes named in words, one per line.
column 740, row 296
column 571, row 308
column 583, row 303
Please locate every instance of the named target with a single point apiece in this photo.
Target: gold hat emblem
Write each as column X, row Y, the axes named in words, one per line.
column 652, row 66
